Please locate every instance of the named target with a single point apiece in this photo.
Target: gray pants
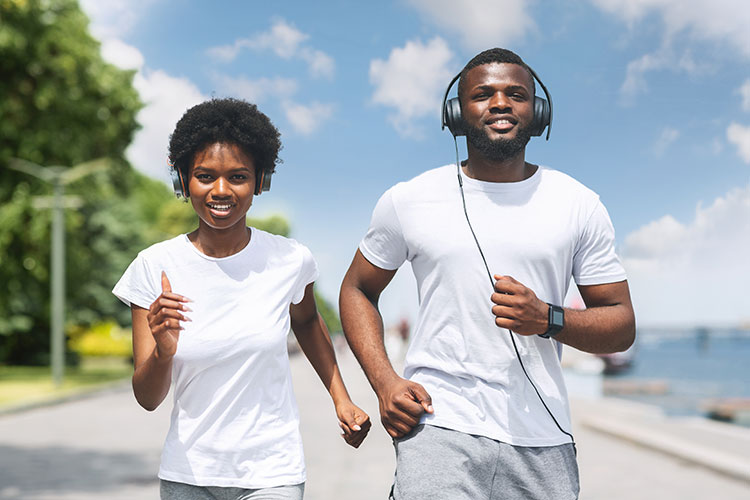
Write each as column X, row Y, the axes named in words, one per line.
column 433, row 463
column 181, row 491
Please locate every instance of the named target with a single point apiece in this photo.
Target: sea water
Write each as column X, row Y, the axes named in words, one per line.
column 696, row 366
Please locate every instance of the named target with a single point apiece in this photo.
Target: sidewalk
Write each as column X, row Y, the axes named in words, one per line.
column 105, row 446
column 721, row 447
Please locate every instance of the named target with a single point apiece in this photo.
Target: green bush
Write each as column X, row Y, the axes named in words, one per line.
column 101, row 339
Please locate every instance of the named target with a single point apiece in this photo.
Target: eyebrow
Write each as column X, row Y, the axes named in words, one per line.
column 511, row 88
column 238, row 169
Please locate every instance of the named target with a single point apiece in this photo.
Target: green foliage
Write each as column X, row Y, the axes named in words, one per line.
column 102, row 339
column 329, row 314
column 61, row 105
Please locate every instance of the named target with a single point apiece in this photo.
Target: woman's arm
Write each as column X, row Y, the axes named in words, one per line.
column 313, row 338
column 155, row 334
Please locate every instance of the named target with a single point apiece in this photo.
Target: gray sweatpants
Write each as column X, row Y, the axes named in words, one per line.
column 181, row 491
column 433, row 463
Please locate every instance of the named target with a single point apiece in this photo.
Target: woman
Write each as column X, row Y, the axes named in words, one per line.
column 234, row 429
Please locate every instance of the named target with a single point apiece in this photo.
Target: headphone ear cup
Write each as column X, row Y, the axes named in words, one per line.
column 178, row 183
column 263, row 182
column 259, row 182
column 542, row 116
column 453, row 119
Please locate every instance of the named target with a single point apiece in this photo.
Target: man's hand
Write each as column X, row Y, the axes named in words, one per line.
column 402, row 403
column 354, row 422
column 164, row 318
column 517, row 307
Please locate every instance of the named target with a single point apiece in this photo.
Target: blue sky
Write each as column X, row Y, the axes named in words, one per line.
column 651, row 110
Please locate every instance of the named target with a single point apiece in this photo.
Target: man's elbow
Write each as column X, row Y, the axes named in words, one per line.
column 626, row 336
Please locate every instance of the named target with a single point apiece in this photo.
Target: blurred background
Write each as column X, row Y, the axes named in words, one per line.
column 651, row 110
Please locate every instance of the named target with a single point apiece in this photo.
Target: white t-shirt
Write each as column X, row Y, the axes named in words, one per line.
column 541, row 231
column 235, row 420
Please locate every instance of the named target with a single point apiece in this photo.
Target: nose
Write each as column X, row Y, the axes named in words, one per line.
column 499, row 102
column 221, row 187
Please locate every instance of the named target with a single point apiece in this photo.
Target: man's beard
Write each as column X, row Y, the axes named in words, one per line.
column 498, row 149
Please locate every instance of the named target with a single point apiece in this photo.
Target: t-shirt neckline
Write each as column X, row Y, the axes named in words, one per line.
column 243, row 250
column 503, row 187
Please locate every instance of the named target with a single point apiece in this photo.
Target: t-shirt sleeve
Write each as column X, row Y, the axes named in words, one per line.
column 137, row 285
column 308, row 274
column 384, row 244
column 595, row 261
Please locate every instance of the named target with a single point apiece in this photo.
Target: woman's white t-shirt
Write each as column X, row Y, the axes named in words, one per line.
column 235, row 420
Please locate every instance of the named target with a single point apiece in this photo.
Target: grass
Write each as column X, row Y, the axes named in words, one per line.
column 21, row 385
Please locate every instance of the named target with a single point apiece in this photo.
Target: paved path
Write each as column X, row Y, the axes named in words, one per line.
column 108, row 447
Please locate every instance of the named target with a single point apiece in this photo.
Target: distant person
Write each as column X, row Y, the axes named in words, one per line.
column 211, row 312
column 482, row 410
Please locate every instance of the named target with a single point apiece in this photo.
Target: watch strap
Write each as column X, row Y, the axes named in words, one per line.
column 555, row 321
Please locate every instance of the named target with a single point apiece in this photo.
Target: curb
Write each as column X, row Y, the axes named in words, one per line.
column 639, row 433
column 115, row 386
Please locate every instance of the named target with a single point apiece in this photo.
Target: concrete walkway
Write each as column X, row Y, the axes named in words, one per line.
column 108, row 447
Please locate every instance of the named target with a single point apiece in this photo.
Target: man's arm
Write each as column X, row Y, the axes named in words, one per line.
column 401, row 401
column 606, row 325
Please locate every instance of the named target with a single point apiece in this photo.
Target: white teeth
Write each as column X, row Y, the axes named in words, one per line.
column 219, row 207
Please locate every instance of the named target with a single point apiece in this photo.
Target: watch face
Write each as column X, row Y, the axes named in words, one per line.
column 557, row 317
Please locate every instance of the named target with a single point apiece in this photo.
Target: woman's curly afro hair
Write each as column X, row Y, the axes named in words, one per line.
column 231, row 121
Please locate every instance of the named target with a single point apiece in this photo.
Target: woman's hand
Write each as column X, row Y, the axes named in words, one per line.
column 164, row 318
column 354, row 422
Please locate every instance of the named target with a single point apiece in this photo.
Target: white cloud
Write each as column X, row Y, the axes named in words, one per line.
column 122, row 55
column 307, row 119
column 254, row 90
column 286, row 42
column 166, row 98
column 662, row 59
column 115, row 18
column 412, row 81
column 481, row 24
column 693, row 273
column 719, row 20
column 744, row 91
column 666, row 139
column 739, row 135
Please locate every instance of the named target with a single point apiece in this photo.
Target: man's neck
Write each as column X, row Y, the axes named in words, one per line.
column 513, row 169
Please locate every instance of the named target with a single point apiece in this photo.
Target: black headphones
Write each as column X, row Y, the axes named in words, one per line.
column 262, row 182
column 451, row 115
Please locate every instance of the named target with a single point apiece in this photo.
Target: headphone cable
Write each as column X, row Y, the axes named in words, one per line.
column 492, row 284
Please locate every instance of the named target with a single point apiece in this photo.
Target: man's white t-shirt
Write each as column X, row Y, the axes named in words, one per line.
column 235, row 420
column 541, row 231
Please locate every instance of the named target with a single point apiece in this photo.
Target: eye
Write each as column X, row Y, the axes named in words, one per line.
column 203, row 177
column 239, row 177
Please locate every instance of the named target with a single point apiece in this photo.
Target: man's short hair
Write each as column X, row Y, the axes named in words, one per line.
column 231, row 121
column 490, row 56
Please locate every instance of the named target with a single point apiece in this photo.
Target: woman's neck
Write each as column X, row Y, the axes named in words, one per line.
column 220, row 242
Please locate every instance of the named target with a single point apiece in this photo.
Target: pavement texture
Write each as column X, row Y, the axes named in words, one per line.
column 106, row 446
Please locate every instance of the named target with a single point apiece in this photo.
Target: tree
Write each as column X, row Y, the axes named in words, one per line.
column 62, row 104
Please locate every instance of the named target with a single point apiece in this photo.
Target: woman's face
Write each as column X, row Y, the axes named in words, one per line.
column 221, row 185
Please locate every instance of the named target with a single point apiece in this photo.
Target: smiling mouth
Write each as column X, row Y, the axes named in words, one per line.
column 501, row 124
column 220, row 209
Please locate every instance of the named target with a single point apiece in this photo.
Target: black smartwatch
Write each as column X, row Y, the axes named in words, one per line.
column 555, row 321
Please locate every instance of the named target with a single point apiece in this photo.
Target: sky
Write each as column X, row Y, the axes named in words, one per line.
column 651, row 102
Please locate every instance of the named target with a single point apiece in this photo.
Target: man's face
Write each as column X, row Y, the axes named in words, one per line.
column 498, row 108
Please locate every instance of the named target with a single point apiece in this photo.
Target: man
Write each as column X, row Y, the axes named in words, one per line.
column 482, row 410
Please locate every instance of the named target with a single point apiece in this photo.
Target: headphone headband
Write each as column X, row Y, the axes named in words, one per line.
column 451, row 111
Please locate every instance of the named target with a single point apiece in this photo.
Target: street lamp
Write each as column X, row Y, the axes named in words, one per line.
column 59, row 177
